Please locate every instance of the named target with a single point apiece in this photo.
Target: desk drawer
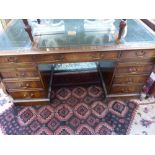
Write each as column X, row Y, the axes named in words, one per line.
column 17, row 65
column 16, row 59
column 123, row 89
column 91, row 56
column 76, row 57
column 138, row 54
column 28, row 94
column 19, row 73
column 23, row 84
column 134, row 69
column 140, row 79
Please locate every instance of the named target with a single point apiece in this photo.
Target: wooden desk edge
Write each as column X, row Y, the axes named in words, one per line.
column 120, row 47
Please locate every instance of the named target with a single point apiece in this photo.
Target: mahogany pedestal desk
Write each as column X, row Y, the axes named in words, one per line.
column 133, row 63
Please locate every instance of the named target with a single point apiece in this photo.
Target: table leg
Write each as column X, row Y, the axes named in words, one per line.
column 102, row 80
column 51, row 82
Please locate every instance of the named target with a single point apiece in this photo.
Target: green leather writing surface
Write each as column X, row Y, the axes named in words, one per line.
column 74, row 35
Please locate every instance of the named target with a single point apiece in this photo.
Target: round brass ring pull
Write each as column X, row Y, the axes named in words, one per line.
column 22, row 74
column 129, row 80
column 27, row 84
column 12, row 59
column 32, row 95
column 140, row 53
column 133, row 70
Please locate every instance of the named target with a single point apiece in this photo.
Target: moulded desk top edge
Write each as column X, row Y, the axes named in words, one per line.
column 118, row 47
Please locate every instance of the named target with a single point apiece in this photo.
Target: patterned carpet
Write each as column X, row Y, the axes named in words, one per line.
column 74, row 110
column 144, row 120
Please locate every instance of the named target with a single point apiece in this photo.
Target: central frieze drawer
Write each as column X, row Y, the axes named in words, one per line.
column 28, row 94
column 76, row 57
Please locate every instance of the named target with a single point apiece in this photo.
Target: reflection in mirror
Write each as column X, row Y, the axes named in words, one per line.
column 47, row 26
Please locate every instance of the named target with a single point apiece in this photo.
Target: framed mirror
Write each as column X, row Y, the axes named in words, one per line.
column 6, row 23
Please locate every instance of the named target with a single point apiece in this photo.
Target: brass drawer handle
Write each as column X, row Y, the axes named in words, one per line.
column 12, row 59
column 22, row 74
column 25, row 95
column 58, row 58
column 140, row 53
column 133, row 70
column 129, row 80
column 27, row 85
column 17, row 74
column 98, row 56
column 21, row 85
column 24, row 86
column 102, row 55
column 28, row 95
column 33, row 57
column 125, row 90
column 32, row 94
column 61, row 57
column 95, row 57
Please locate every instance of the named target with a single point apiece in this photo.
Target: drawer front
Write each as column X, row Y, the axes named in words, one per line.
column 28, row 94
column 130, row 79
column 17, row 65
column 123, row 89
column 92, row 56
column 16, row 59
column 23, row 84
column 125, row 98
column 138, row 54
column 76, row 57
column 19, row 73
column 134, row 69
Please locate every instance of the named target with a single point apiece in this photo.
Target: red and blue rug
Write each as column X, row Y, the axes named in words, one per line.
column 73, row 110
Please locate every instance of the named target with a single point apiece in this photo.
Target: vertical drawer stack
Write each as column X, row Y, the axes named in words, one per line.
column 21, row 78
column 132, row 71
